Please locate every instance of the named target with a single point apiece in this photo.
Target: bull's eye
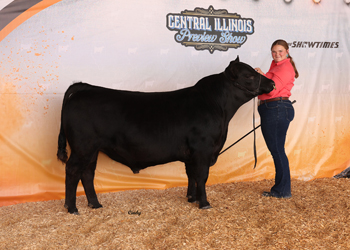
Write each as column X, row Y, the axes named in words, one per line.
column 249, row 77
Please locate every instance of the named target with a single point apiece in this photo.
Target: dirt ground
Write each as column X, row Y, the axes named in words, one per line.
column 316, row 217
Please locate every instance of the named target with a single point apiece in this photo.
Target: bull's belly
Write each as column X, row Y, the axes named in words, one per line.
column 137, row 160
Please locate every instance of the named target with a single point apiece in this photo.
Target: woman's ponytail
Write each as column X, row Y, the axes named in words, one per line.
column 295, row 68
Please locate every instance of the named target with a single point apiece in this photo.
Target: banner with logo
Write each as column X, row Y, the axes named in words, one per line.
column 157, row 46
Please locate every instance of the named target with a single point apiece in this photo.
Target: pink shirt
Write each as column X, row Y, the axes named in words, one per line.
column 282, row 73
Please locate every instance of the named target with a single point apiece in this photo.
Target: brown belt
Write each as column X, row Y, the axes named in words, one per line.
column 273, row 100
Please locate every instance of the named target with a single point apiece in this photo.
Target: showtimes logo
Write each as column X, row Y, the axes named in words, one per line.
column 316, row 45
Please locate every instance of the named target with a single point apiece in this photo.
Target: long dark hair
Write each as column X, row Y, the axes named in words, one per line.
column 285, row 45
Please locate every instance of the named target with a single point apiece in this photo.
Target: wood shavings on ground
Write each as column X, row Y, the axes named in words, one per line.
column 316, row 217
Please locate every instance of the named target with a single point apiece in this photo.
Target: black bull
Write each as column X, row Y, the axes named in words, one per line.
column 146, row 129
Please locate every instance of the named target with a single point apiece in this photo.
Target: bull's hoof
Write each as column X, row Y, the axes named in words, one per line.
column 191, row 199
column 72, row 210
column 204, row 205
column 95, row 206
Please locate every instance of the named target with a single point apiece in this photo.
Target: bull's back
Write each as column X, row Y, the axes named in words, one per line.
column 151, row 111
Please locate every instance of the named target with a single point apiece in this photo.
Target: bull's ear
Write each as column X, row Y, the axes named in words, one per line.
column 237, row 59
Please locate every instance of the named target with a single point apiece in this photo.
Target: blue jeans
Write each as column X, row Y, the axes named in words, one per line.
column 275, row 118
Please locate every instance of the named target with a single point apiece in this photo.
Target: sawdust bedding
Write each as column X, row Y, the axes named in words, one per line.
column 316, row 217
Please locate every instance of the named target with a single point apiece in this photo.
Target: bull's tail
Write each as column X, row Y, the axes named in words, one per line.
column 62, row 154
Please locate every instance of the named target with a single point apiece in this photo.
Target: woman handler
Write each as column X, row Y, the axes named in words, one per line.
column 276, row 112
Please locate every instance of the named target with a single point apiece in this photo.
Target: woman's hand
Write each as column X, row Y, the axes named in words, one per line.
column 259, row 71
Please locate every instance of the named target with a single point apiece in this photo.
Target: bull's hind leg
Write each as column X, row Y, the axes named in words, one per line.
column 87, row 180
column 73, row 175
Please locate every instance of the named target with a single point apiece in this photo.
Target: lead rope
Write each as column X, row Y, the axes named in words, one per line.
column 255, row 157
column 253, row 130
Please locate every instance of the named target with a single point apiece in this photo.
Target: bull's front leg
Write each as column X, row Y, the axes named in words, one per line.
column 197, row 178
column 191, row 188
column 201, row 193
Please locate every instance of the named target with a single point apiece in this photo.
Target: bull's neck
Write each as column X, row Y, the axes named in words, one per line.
column 224, row 96
column 235, row 98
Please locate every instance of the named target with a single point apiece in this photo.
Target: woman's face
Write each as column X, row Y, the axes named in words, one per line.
column 279, row 53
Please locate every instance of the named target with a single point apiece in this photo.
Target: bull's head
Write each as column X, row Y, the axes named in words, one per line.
column 246, row 78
